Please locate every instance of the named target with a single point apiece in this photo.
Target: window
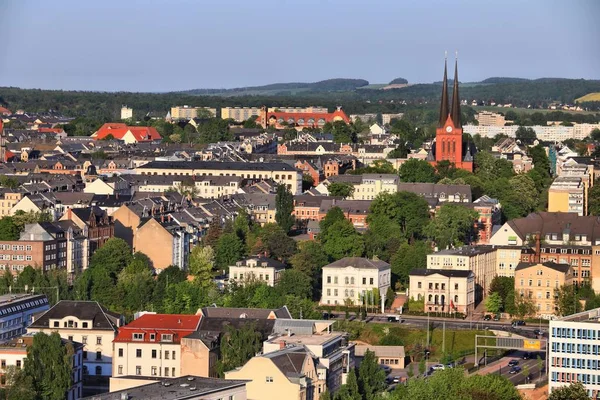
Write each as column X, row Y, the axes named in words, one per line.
column 56, row 324
column 120, row 370
column 166, row 354
column 70, row 338
column 138, row 353
column 138, row 336
column 98, row 355
column 173, row 354
column 138, row 370
column 98, row 370
column 364, row 281
column 84, row 339
column 18, row 364
column 166, row 338
column 456, row 286
column 153, row 353
column 173, row 371
column 153, row 373
column 3, row 364
column 98, row 340
column 166, row 371
column 419, row 285
column 370, row 281
column 85, row 354
column 120, row 352
column 152, row 336
column 328, row 279
column 84, row 324
column 269, row 379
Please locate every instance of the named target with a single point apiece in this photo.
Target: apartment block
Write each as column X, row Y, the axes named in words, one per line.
column 539, row 281
column 355, row 279
column 490, row 118
column 240, row 114
column 258, row 268
column 17, row 311
column 187, row 112
column 309, row 109
column 574, row 351
column 567, row 194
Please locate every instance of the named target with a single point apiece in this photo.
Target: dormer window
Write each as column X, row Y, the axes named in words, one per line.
column 166, row 338
column 152, row 337
column 56, row 324
column 84, row 324
column 138, row 336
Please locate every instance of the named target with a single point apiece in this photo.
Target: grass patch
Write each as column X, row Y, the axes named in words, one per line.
column 589, row 97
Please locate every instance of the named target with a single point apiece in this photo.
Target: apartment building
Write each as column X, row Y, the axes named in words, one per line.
column 299, row 110
column 279, row 172
column 95, row 224
column 355, row 211
column 17, row 311
column 507, row 259
column 150, row 346
column 357, row 279
column 539, row 281
column 126, row 112
column 257, row 268
column 8, row 200
column 443, row 290
column 187, row 112
column 481, row 260
column 543, row 133
column 90, row 324
column 490, row 118
column 574, row 351
column 368, row 186
column 240, row 114
column 174, row 242
column 13, row 353
column 567, row 194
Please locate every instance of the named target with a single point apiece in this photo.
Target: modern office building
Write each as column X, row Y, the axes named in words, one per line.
column 574, row 351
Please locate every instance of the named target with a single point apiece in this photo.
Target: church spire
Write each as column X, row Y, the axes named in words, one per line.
column 444, row 103
column 455, row 111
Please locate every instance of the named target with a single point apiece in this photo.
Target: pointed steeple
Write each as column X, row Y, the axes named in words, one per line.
column 444, row 103
column 455, row 111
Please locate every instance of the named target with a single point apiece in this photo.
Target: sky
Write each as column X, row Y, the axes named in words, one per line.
column 168, row 45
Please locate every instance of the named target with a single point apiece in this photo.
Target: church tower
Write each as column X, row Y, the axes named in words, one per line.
column 448, row 139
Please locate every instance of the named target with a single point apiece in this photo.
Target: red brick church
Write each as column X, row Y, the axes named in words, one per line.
column 449, row 144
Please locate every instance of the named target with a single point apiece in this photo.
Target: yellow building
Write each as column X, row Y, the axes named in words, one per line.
column 8, row 201
column 507, row 259
column 187, row 112
column 568, row 194
column 239, row 114
column 539, row 281
column 490, row 118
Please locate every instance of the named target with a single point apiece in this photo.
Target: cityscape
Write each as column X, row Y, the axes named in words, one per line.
column 183, row 218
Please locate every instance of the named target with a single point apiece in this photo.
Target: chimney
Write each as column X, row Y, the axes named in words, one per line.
column 69, row 213
column 169, row 217
column 282, row 345
column 538, row 248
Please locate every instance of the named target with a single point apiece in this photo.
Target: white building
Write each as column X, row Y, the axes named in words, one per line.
column 16, row 312
column 257, row 268
column 355, row 278
column 574, row 351
column 546, row 133
column 126, row 112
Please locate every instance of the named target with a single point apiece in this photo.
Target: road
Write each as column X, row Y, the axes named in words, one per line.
column 501, row 366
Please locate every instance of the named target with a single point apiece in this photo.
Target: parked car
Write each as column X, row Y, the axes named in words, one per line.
column 538, row 332
column 513, row 362
column 394, row 318
column 487, row 317
column 396, row 379
column 437, row 367
column 526, row 356
column 497, row 317
column 515, row 370
column 519, row 322
column 385, row 368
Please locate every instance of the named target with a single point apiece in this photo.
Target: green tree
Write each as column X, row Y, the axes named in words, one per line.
column 493, row 303
column 135, row 285
column 284, row 204
column 383, row 237
column 309, row 259
column 342, row 189
column 524, row 306
column 113, row 256
column 19, row 386
column 202, row 263
column 49, row 365
column 371, row 378
column 272, row 239
column 21, row 218
column 593, row 201
column 187, row 297
column 526, row 135
column 504, row 286
column 415, row 170
column 407, row 258
column 295, row 283
column 8, row 182
column 350, row 390
column 452, row 225
column 445, row 169
column 574, row 391
column 8, row 229
column 566, row 300
column 342, row 240
column 334, row 215
column 169, row 276
column 325, row 395
column 230, row 249
column 595, row 134
column 409, row 210
column 238, row 346
column 215, row 230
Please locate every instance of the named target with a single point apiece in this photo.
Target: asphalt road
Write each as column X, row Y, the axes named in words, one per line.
column 502, row 367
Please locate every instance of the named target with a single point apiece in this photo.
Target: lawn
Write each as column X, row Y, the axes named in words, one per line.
column 457, row 344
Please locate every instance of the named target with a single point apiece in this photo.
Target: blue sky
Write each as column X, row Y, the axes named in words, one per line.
column 162, row 45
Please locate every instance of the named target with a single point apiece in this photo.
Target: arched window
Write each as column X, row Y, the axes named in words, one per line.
column 455, row 300
column 430, row 297
column 346, row 280
column 352, row 281
column 436, row 299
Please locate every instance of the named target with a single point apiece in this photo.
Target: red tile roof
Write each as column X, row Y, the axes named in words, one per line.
column 178, row 325
column 5, row 111
column 119, row 130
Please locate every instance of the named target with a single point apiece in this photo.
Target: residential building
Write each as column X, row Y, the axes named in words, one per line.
column 357, row 279
column 356, row 211
column 17, row 311
column 278, row 172
column 507, row 259
column 95, row 223
column 539, row 281
column 444, row 290
column 90, row 324
column 257, row 268
column 368, row 186
column 126, row 113
column 489, row 212
column 240, row 114
column 300, row 119
column 187, row 112
column 8, row 200
column 392, row 356
column 306, row 207
column 574, row 351
column 567, row 194
column 151, row 346
column 13, row 353
column 174, row 242
column 299, row 110
column 490, row 118
column 449, row 145
column 481, row 260
column 128, row 134
column 186, row 387
column 555, row 134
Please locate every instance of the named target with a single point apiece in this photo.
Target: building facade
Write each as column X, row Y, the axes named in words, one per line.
column 539, row 282
column 187, row 112
column 443, row 290
column 239, row 114
column 261, row 269
column 17, row 311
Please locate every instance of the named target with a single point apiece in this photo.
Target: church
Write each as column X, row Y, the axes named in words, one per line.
column 449, row 144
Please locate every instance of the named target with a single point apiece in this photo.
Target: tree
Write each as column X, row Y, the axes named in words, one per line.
column 575, row 391
column 284, row 204
column 113, row 256
column 595, row 134
column 504, row 286
column 21, row 218
column 452, row 225
column 230, row 249
column 169, row 276
column 415, row 170
column 8, row 229
column 445, row 169
column 409, row 210
column 202, row 262
column 334, row 215
column 309, row 259
column 407, row 258
column 493, row 303
column 8, row 182
column 135, row 285
column 342, row 240
column 567, row 300
column 49, row 366
column 19, row 386
column 238, row 346
column 383, row 237
column 272, row 239
column 325, row 395
column 342, row 189
column 524, row 306
column 295, row 283
column 526, row 135
column 593, row 201
column 371, row 378
column 214, row 233
column 307, row 182
column 350, row 390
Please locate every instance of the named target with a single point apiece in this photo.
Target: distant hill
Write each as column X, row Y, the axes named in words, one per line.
column 504, row 80
column 328, row 85
column 398, row 81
